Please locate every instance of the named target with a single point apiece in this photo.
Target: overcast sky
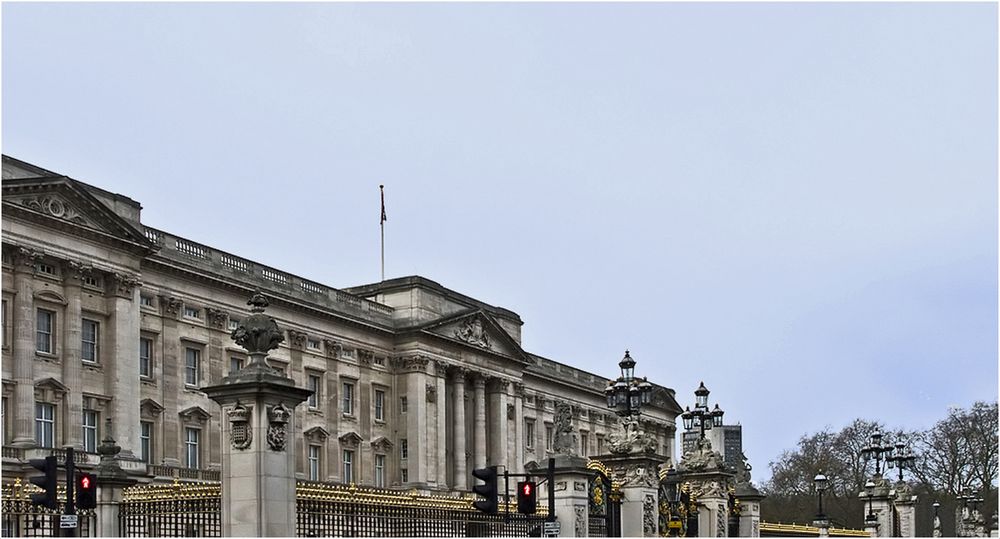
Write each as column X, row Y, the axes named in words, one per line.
column 796, row 203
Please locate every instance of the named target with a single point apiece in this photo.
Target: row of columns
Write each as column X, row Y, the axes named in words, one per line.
column 120, row 349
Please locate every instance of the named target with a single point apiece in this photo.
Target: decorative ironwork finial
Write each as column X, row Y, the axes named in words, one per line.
column 259, row 333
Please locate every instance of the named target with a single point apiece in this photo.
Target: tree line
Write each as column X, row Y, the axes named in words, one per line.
column 959, row 454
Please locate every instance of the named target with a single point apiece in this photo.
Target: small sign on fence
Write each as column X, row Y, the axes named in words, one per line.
column 67, row 521
column 551, row 529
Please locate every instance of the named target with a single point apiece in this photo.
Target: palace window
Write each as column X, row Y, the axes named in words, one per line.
column 402, row 405
column 312, row 344
column 88, row 349
column 46, row 269
column 584, row 443
column 91, row 281
column 548, row 437
column 600, row 444
column 404, row 451
column 191, row 439
column 233, row 323
column 146, row 441
column 404, row 475
column 44, row 328
column 235, row 364
column 45, row 424
column 145, row 301
column 314, row 385
column 192, row 312
column 348, row 406
column 4, row 332
column 314, row 455
column 379, row 405
column 380, row 471
column 146, row 357
column 529, row 433
column 89, row 431
column 348, row 466
column 192, row 366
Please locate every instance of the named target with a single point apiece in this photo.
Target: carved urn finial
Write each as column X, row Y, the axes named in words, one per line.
column 259, row 333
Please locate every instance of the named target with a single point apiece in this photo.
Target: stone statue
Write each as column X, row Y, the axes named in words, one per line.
column 473, row 332
column 701, row 458
column 564, row 438
column 632, row 439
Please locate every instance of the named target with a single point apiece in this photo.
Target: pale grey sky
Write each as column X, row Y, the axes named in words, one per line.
column 796, row 203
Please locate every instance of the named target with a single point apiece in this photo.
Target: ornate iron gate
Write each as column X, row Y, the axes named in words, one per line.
column 604, row 503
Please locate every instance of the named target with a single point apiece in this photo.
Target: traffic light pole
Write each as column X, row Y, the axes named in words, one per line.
column 550, row 477
column 70, row 492
column 506, row 495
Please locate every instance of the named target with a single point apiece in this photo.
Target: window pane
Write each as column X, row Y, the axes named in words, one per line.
column 43, row 331
column 379, row 405
column 88, row 350
column 192, row 366
column 145, row 357
column 146, row 441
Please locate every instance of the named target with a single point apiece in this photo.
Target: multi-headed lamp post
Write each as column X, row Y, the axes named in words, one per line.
column 701, row 415
column 628, row 394
column 876, row 451
column 902, row 458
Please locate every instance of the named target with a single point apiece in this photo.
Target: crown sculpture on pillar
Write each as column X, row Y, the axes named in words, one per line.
column 702, row 458
column 632, row 438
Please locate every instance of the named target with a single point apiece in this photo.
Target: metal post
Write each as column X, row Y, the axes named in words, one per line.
column 506, row 496
column 552, row 489
column 70, row 508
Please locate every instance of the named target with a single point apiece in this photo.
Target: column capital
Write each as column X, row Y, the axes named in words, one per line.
column 74, row 272
column 458, row 374
column 216, row 317
column 414, row 363
column 478, row 379
column 170, row 306
column 25, row 259
column 519, row 389
column 297, row 339
column 441, row 367
column 123, row 285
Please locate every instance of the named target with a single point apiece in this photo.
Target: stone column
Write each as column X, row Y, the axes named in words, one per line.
column 881, row 506
column 479, row 385
column 416, row 418
column 72, row 365
column 23, row 346
column 440, row 371
column 750, row 516
column 259, row 436
column 461, row 479
column 498, row 423
column 173, row 379
column 123, row 341
column 518, row 428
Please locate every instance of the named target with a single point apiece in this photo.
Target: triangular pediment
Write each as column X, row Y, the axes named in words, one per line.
column 64, row 202
column 51, row 383
column 316, row 434
column 478, row 329
column 196, row 413
column 382, row 444
column 150, row 407
column 350, row 440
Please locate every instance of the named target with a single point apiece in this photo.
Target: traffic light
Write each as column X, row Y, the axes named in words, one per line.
column 50, row 467
column 86, row 491
column 526, row 497
column 488, row 490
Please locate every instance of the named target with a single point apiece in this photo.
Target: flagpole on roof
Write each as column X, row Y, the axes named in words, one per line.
column 381, row 225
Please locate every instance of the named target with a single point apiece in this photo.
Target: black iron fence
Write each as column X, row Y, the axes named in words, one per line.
column 22, row 519
column 178, row 510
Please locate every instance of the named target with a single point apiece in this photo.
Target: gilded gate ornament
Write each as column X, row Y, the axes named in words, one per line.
column 277, row 418
column 240, row 433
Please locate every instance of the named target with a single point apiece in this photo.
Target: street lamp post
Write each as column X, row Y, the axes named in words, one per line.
column 701, row 416
column 937, row 520
column 870, row 520
column 901, row 458
column 821, row 522
column 876, row 451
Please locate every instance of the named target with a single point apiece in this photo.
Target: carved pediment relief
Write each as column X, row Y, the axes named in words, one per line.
column 51, row 384
column 195, row 414
column 350, row 440
column 382, row 445
column 149, row 408
column 316, row 434
column 69, row 201
column 479, row 330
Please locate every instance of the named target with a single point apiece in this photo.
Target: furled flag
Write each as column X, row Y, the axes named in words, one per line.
column 383, row 204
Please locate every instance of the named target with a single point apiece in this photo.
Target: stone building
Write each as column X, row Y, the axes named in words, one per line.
column 415, row 384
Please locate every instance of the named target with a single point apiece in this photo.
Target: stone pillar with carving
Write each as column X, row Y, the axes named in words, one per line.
column 905, row 506
column 72, row 365
column 479, row 387
column 571, row 495
column 258, row 435
column 703, row 472
column 461, row 480
column 440, row 371
column 881, row 506
column 123, row 382
column 173, row 377
column 23, row 346
column 749, row 499
column 112, row 481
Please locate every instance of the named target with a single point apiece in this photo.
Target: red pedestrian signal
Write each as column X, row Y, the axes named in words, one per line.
column 86, row 491
column 526, row 503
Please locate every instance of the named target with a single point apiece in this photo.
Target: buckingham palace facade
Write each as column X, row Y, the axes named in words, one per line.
column 109, row 322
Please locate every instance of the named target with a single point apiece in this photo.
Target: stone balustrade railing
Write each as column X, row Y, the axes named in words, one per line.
column 267, row 278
